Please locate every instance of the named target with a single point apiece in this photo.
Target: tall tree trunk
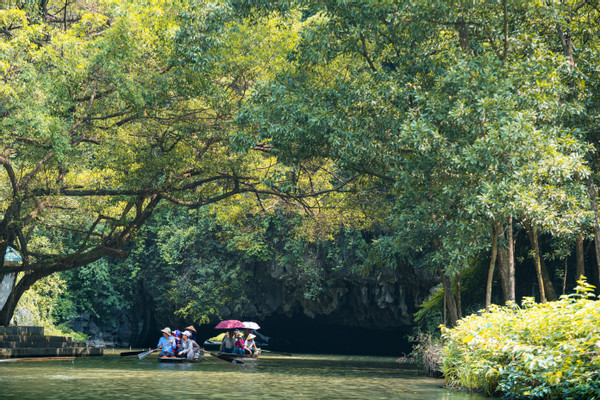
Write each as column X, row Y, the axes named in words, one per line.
column 594, row 205
column 505, row 31
column 533, row 239
column 511, row 261
column 506, row 265
column 449, row 300
column 458, row 298
column 549, row 291
column 580, row 269
column 488, row 289
column 564, row 282
column 548, row 285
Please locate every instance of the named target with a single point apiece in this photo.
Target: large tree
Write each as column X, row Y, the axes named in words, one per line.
column 461, row 111
column 109, row 108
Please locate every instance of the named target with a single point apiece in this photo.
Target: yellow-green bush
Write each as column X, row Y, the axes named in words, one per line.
column 549, row 351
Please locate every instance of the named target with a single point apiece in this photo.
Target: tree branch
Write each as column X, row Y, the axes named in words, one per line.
column 11, row 175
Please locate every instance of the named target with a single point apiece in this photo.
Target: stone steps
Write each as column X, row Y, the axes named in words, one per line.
column 13, row 344
column 22, row 330
column 30, row 341
column 34, row 339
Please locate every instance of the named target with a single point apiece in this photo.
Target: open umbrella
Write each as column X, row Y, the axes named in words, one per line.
column 250, row 325
column 229, row 324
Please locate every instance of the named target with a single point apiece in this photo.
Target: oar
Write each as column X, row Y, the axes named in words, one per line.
column 145, row 354
column 277, row 352
column 228, row 359
column 131, row 353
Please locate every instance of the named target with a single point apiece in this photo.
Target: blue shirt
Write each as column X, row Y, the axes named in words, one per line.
column 168, row 345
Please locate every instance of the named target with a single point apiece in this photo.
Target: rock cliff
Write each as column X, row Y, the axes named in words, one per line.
column 373, row 308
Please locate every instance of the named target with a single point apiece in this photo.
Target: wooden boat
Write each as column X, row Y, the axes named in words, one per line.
column 180, row 359
column 236, row 358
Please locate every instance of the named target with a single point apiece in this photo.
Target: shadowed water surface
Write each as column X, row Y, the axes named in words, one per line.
column 272, row 377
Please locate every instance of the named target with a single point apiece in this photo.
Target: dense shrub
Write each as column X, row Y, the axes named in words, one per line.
column 549, row 351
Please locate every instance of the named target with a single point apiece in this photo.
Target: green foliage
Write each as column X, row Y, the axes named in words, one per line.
column 45, row 305
column 430, row 311
column 547, row 350
column 197, row 265
column 459, row 136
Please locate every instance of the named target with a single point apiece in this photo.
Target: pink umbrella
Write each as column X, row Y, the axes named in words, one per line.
column 250, row 325
column 229, row 324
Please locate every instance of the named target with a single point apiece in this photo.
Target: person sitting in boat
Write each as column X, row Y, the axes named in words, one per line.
column 166, row 344
column 240, row 344
column 177, row 335
column 188, row 346
column 228, row 343
column 192, row 330
column 250, row 345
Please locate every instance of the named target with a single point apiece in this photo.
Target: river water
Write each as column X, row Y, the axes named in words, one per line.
column 273, row 377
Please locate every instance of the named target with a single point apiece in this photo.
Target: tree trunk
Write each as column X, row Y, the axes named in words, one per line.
column 458, row 298
column 580, row 269
column 549, row 291
column 548, row 285
column 463, row 36
column 567, row 44
column 594, row 205
column 449, row 300
column 25, row 283
column 488, row 289
column 533, row 239
column 564, row 285
column 75, row 260
column 505, row 31
column 506, row 265
column 511, row 261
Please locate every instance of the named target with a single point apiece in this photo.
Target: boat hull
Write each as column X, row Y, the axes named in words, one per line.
column 180, row 360
column 241, row 357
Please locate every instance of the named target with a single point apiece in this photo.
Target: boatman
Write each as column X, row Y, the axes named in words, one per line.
column 167, row 344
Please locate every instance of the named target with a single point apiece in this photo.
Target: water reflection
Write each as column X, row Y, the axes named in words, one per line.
column 273, row 377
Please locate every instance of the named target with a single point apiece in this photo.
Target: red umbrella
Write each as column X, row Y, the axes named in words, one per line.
column 229, row 324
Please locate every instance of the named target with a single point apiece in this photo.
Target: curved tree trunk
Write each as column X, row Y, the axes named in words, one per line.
column 75, row 260
column 21, row 287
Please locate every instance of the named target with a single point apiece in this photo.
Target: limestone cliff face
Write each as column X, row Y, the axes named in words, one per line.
column 367, row 304
column 382, row 302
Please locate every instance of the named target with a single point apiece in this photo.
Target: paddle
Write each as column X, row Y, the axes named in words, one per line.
column 145, row 354
column 131, row 353
column 277, row 352
column 228, row 359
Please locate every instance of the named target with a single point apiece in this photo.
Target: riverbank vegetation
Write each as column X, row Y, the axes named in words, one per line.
column 546, row 351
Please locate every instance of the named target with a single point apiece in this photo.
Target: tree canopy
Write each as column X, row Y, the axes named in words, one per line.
column 454, row 124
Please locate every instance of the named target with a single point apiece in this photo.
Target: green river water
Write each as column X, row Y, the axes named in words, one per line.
column 273, row 377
